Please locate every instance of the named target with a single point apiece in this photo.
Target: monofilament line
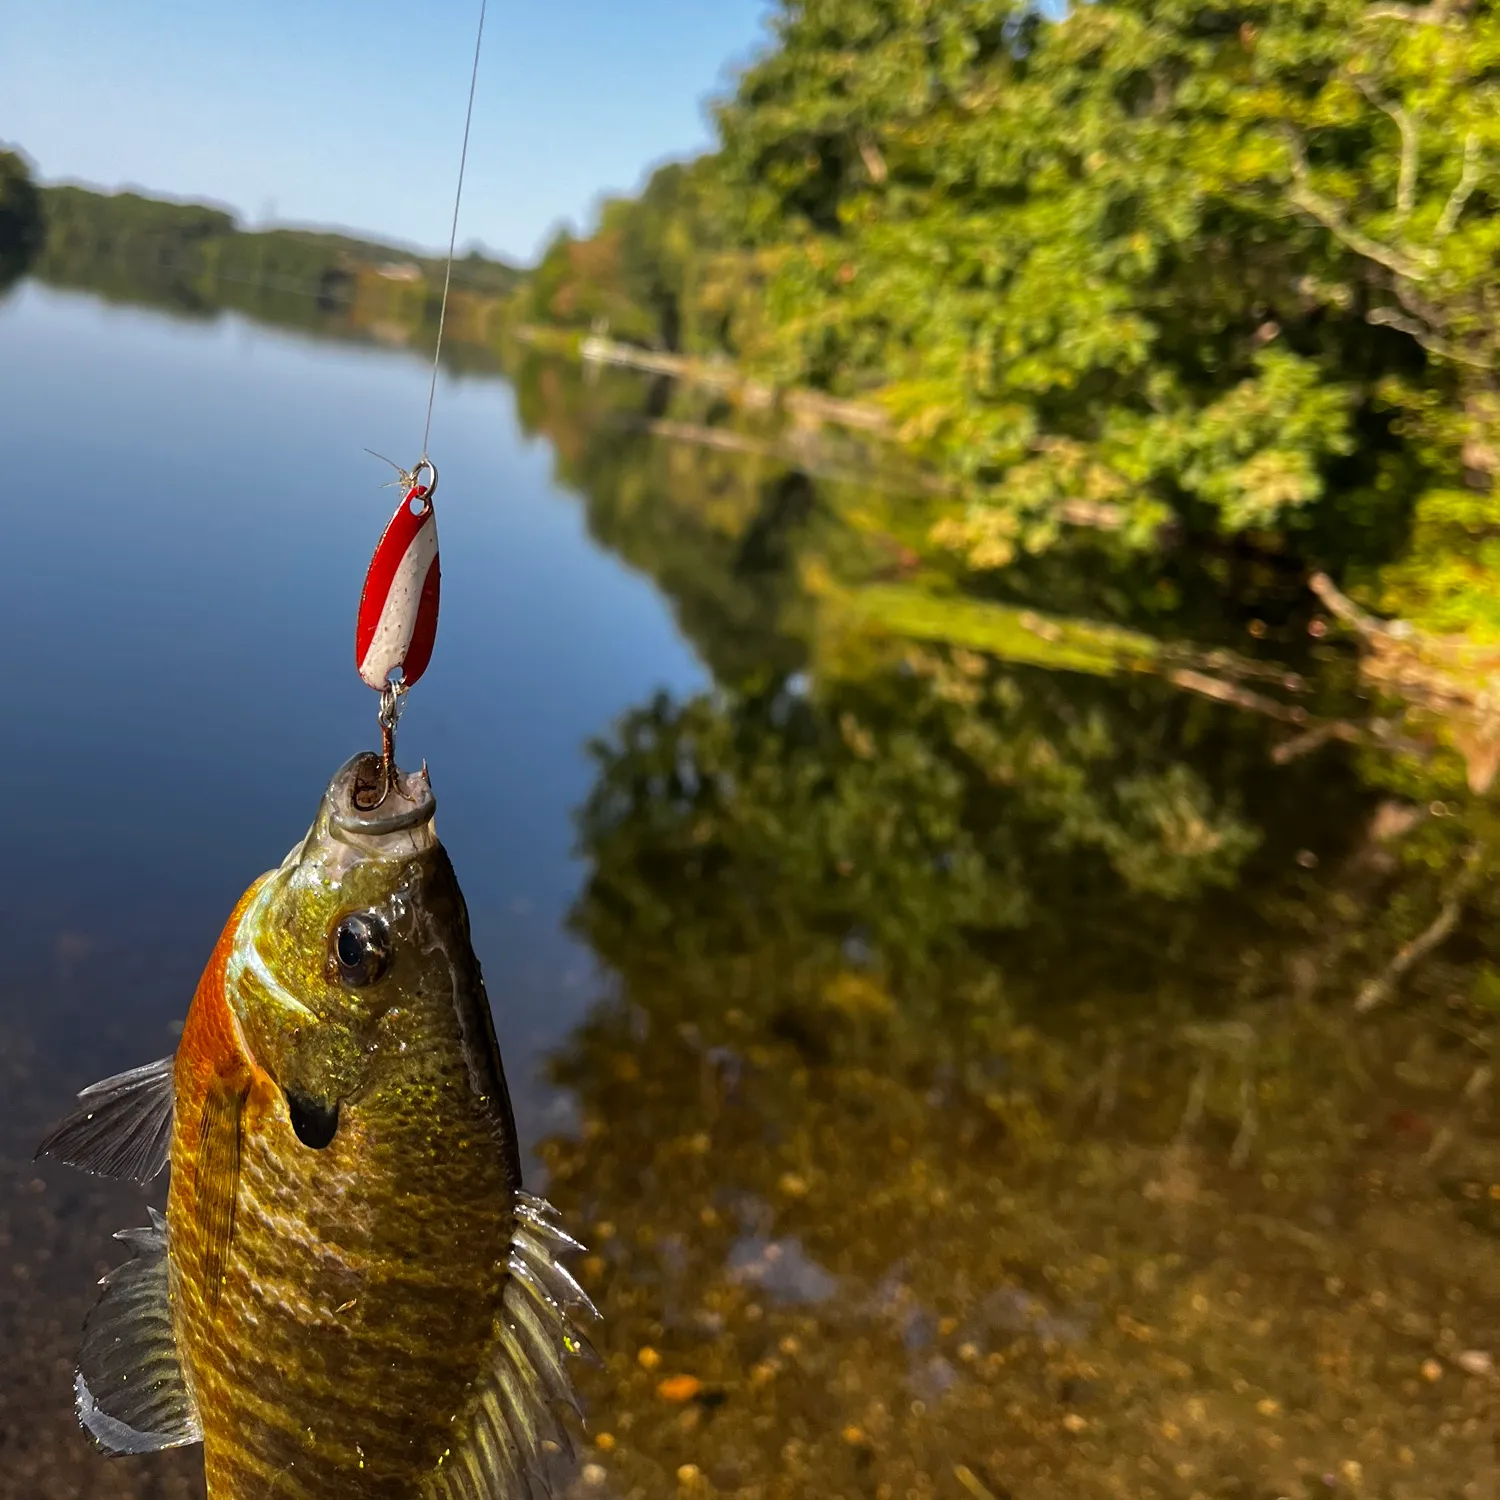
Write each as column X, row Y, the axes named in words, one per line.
column 463, row 157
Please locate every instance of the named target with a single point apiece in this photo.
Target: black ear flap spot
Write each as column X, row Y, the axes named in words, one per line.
column 314, row 1122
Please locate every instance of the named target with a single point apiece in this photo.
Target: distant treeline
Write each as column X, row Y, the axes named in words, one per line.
column 190, row 249
column 195, row 259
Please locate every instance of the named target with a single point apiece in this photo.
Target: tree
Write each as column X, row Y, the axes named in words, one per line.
column 1228, row 263
column 21, row 224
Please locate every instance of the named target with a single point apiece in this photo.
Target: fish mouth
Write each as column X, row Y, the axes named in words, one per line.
column 360, row 803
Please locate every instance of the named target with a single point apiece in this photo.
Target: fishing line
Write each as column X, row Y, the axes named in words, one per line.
column 453, row 231
column 398, row 606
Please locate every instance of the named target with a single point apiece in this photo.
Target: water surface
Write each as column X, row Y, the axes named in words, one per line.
column 971, row 1032
column 187, row 523
column 190, row 519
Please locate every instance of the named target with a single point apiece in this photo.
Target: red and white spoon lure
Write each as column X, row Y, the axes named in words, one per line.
column 398, row 609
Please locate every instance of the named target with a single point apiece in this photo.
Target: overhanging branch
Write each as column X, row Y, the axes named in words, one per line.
column 1388, row 317
column 1331, row 216
column 1435, row 14
column 1468, row 179
column 1406, row 181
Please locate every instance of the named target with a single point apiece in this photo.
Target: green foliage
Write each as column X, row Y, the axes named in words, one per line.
column 21, row 223
column 1229, row 262
column 128, row 225
column 1020, row 245
column 642, row 270
column 1447, row 578
column 1001, row 631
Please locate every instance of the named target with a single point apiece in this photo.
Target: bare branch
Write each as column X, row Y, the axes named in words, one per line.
column 1479, row 1082
column 1467, row 180
column 1415, row 303
column 1388, row 317
column 1435, row 14
column 1227, row 692
column 1381, row 988
column 1406, row 182
column 1314, row 739
column 1331, row 217
column 707, row 437
column 1328, row 215
column 1340, row 604
column 1096, row 513
column 1239, row 1153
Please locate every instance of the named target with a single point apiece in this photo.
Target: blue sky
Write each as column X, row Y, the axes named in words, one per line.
column 350, row 112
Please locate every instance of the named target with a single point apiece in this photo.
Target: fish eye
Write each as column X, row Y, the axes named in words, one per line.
column 360, row 948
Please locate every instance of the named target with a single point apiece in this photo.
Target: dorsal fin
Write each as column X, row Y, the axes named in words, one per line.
column 122, row 1126
column 130, row 1390
column 515, row 1440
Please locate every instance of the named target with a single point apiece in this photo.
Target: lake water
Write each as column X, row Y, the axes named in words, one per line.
column 178, row 586
column 179, row 581
column 951, row 1059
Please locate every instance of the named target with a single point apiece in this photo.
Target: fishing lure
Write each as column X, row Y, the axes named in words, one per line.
column 398, row 607
column 396, row 626
column 350, row 1294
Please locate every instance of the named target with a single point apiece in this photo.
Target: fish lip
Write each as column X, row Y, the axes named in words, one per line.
column 410, row 803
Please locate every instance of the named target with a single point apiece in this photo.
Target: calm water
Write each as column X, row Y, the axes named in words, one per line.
column 177, row 588
column 183, row 560
column 950, row 1055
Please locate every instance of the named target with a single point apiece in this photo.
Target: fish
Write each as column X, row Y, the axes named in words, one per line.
column 350, row 1295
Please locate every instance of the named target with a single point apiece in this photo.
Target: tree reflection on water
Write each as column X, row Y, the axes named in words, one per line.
column 1014, row 1082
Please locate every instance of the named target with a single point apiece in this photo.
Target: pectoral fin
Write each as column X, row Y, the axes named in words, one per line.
column 130, row 1390
column 217, row 1182
column 122, row 1126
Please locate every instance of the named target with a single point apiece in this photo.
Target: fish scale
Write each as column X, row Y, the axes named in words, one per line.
column 307, row 1360
column 425, row 1275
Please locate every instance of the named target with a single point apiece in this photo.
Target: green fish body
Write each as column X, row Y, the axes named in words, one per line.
column 350, row 1296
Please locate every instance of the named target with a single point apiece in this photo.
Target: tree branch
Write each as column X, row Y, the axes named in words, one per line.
column 1416, row 304
column 1478, row 1084
column 1435, row 14
column 1315, row 738
column 1467, row 180
column 1406, row 181
column 1331, row 217
column 1381, row 988
column 1338, row 603
column 1228, row 692
column 1388, row 317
